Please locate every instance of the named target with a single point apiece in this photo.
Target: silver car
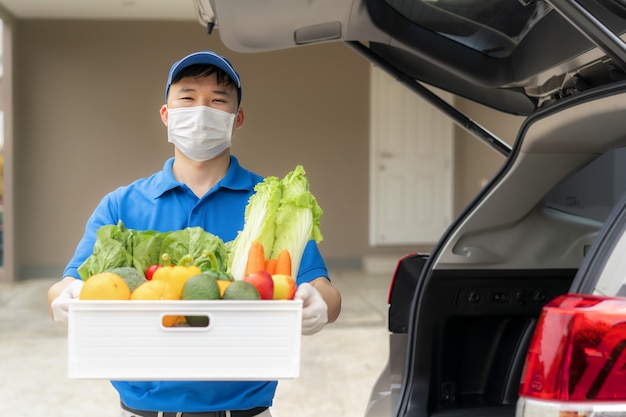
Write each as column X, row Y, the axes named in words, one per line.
column 518, row 309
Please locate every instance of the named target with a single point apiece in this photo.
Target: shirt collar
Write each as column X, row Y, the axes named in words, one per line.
column 236, row 178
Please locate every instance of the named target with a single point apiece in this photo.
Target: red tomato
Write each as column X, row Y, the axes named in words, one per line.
column 150, row 271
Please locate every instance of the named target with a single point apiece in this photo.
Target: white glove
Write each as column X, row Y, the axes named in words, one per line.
column 60, row 305
column 314, row 309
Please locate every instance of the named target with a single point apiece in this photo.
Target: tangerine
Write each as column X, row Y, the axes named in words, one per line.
column 105, row 286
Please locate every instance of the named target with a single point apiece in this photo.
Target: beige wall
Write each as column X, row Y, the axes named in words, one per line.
column 87, row 100
column 7, row 271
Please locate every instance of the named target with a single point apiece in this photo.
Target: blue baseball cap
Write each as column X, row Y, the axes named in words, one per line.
column 204, row 57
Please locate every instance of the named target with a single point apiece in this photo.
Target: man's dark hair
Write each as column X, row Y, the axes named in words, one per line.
column 204, row 70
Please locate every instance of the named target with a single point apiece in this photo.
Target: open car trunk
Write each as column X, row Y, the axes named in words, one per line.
column 518, row 245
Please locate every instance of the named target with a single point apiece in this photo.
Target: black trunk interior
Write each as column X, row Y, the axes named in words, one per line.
column 472, row 332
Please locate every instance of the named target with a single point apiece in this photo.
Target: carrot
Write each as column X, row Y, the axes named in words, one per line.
column 283, row 263
column 256, row 258
column 270, row 266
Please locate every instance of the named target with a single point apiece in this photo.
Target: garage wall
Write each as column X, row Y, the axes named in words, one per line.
column 87, row 101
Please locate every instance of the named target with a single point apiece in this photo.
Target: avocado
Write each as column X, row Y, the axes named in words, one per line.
column 241, row 290
column 200, row 287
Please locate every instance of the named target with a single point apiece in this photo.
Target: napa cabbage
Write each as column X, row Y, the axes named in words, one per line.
column 298, row 218
column 259, row 226
column 281, row 214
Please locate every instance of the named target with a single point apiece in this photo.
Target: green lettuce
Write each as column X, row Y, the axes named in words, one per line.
column 147, row 248
column 113, row 249
column 205, row 249
column 117, row 246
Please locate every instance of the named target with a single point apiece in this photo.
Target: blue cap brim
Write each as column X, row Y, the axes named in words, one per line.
column 204, row 57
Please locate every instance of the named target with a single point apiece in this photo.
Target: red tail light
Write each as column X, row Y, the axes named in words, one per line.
column 395, row 274
column 578, row 355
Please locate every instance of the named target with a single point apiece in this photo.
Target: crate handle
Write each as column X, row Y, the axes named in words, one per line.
column 181, row 321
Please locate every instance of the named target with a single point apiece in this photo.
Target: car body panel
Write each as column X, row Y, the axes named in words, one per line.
column 550, row 222
column 448, row 49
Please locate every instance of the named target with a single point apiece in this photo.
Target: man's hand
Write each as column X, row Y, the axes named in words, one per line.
column 314, row 309
column 60, row 304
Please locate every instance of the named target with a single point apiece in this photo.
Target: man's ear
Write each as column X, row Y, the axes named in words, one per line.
column 239, row 119
column 163, row 113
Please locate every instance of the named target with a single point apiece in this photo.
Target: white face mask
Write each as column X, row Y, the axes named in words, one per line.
column 201, row 133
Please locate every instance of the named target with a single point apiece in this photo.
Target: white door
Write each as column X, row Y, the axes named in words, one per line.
column 411, row 165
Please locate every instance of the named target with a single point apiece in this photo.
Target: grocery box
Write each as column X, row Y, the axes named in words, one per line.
column 126, row 340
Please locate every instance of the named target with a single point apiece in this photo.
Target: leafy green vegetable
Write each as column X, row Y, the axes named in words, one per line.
column 260, row 223
column 116, row 246
column 147, row 248
column 206, row 250
column 281, row 214
column 117, row 232
column 110, row 251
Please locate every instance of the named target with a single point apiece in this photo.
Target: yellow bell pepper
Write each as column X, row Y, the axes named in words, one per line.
column 176, row 275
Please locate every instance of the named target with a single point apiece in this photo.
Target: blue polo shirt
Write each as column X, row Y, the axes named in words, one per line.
column 162, row 203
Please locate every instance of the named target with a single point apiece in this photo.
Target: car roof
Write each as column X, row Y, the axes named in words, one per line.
column 514, row 56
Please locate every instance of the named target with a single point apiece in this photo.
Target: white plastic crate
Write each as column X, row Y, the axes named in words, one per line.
column 125, row 340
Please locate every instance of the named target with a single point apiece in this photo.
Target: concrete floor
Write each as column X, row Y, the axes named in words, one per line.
column 338, row 365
